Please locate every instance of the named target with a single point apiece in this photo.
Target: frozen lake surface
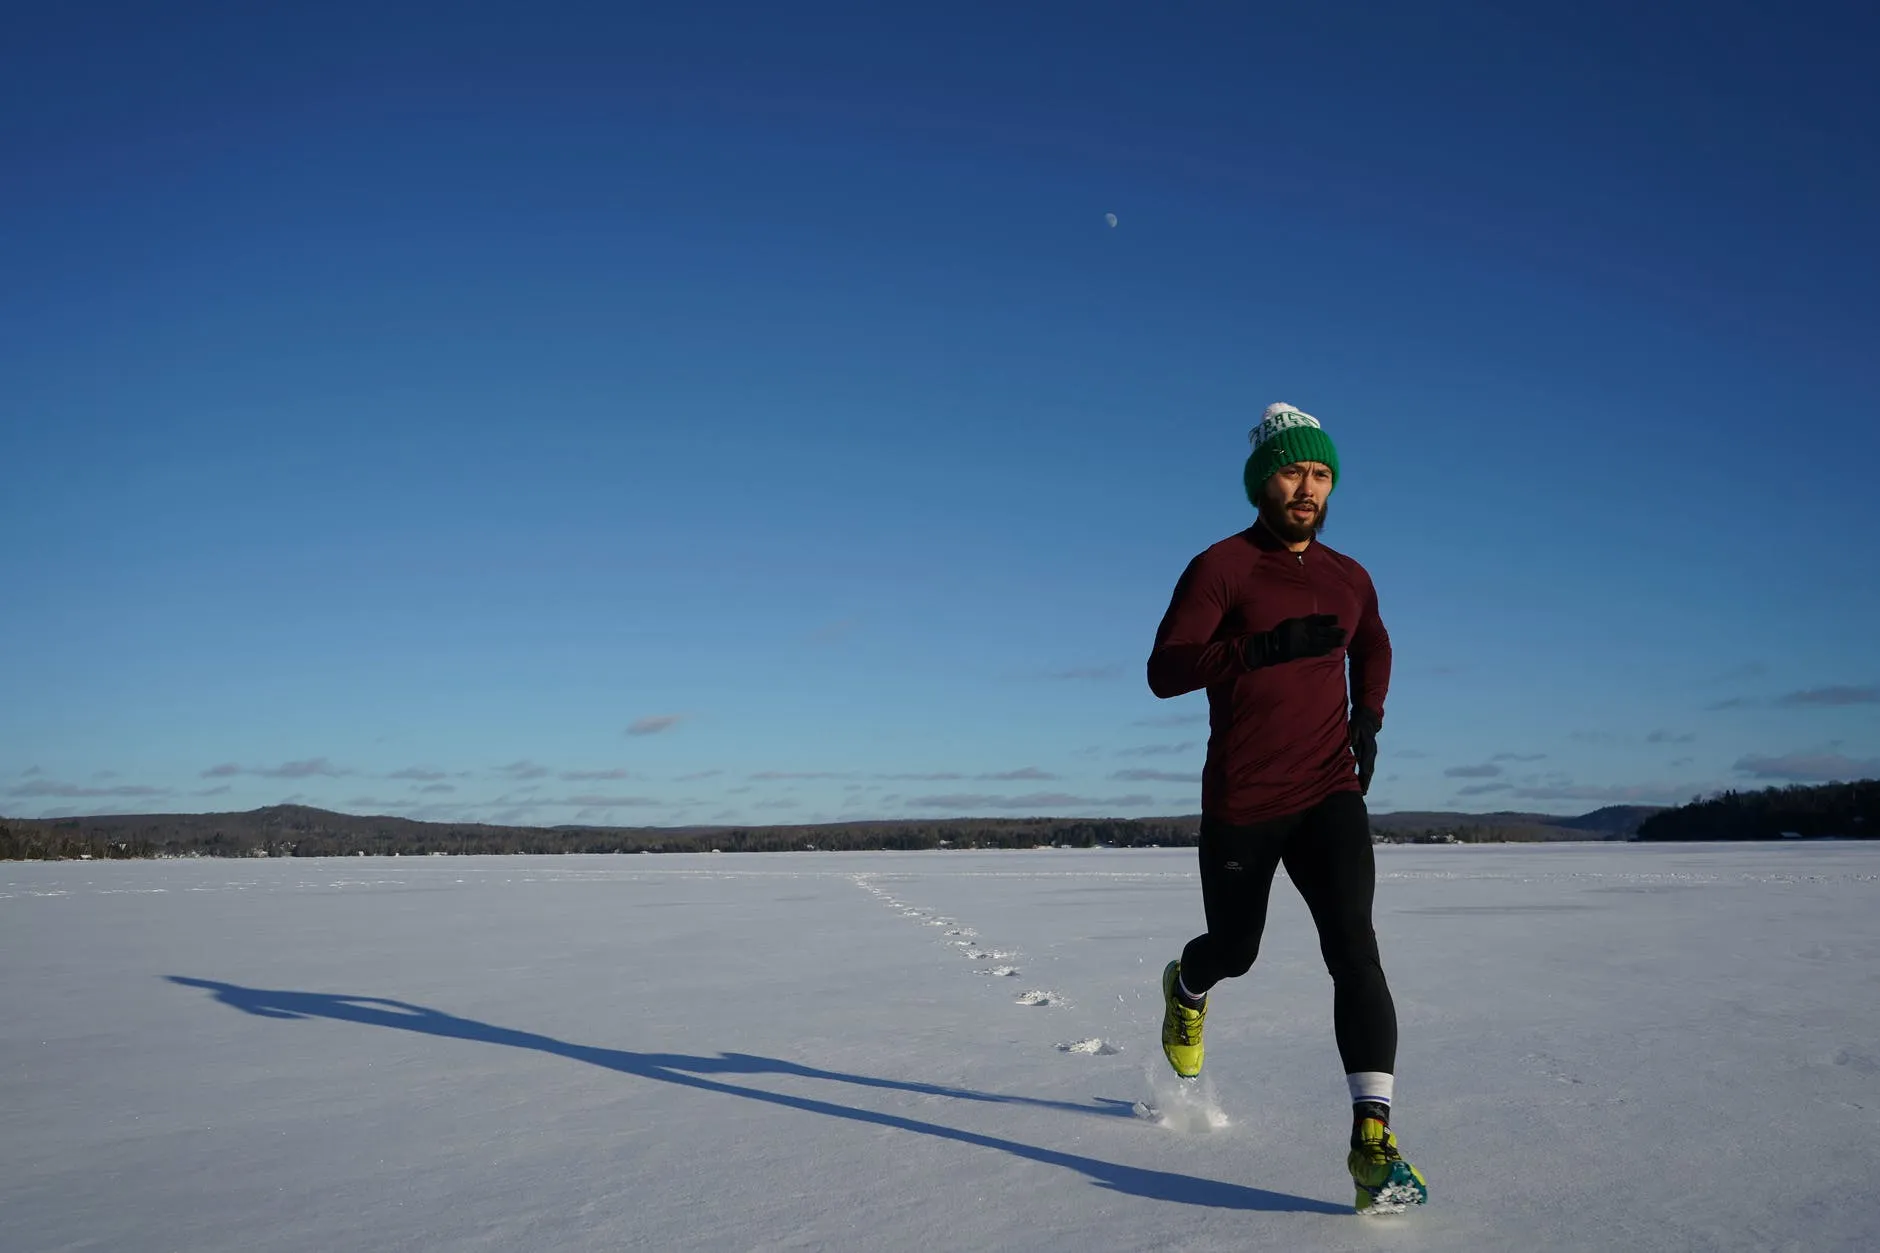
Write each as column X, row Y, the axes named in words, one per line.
column 1614, row 1047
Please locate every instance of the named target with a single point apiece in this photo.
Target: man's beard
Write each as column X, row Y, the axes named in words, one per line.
column 1281, row 523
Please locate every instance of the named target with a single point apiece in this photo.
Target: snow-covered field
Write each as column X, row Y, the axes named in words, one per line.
column 1603, row 1047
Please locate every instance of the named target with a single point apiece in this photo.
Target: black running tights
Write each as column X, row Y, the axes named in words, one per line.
column 1327, row 854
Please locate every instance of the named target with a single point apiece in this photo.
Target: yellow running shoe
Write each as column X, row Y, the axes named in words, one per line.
column 1387, row 1184
column 1181, row 1026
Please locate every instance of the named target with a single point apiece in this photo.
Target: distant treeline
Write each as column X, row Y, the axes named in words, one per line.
column 1844, row 810
column 300, row 831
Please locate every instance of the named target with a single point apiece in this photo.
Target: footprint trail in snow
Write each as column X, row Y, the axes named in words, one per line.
column 1174, row 1103
column 964, row 939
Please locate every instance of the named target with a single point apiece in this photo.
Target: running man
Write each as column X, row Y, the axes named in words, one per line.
column 1266, row 621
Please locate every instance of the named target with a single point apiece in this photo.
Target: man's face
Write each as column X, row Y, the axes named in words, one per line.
column 1293, row 500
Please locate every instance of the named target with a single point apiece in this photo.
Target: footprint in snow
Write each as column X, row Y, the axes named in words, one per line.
column 1093, row 1046
column 1857, row 1061
column 1002, row 972
column 1040, row 998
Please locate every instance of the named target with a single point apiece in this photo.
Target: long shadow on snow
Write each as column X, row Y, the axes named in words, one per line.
column 691, row 1072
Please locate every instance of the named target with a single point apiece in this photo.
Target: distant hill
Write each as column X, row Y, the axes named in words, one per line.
column 1614, row 822
column 1621, row 821
column 303, row 831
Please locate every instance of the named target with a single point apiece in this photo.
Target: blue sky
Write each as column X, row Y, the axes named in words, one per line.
column 562, row 414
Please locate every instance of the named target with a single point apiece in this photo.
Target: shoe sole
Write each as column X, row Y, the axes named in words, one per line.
column 1397, row 1194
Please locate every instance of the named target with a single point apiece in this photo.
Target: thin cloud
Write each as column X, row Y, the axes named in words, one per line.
column 776, row 802
column 1808, row 767
column 213, row 791
column 1036, row 802
column 1836, row 695
column 73, row 791
column 1023, row 773
column 1831, row 697
column 934, row 776
column 438, row 787
column 524, row 769
column 589, row 775
column 1157, row 750
column 1519, row 757
column 1668, row 737
column 1483, row 789
column 1739, row 674
column 30, row 771
column 772, row 775
column 420, row 773
column 697, row 775
column 830, row 632
column 606, row 802
column 654, row 724
column 1109, row 671
column 1472, row 772
column 1172, row 720
column 312, row 767
column 1139, row 775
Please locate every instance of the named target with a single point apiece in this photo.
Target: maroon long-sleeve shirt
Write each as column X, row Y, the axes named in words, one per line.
column 1278, row 736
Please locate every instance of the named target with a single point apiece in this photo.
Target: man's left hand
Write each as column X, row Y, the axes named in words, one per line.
column 1364, row 728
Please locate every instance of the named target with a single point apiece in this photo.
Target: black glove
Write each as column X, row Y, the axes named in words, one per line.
column 1292, row 639
column 1364, row 728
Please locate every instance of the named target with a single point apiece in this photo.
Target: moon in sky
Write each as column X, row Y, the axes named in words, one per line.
column 1110, row 218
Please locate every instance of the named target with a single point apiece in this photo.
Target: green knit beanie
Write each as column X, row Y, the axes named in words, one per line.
column 1284, row 436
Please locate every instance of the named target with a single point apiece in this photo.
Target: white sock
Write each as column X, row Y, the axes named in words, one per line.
column 1370, row 1085
column 1184, row 987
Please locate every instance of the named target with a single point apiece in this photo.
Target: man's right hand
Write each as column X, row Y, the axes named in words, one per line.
column 1312, row 636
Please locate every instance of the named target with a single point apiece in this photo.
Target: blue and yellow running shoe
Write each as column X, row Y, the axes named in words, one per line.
column 1387, row 1184
column 1181, row 1026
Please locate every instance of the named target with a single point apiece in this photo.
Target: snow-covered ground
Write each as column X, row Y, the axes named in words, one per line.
column 1603, row 1047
